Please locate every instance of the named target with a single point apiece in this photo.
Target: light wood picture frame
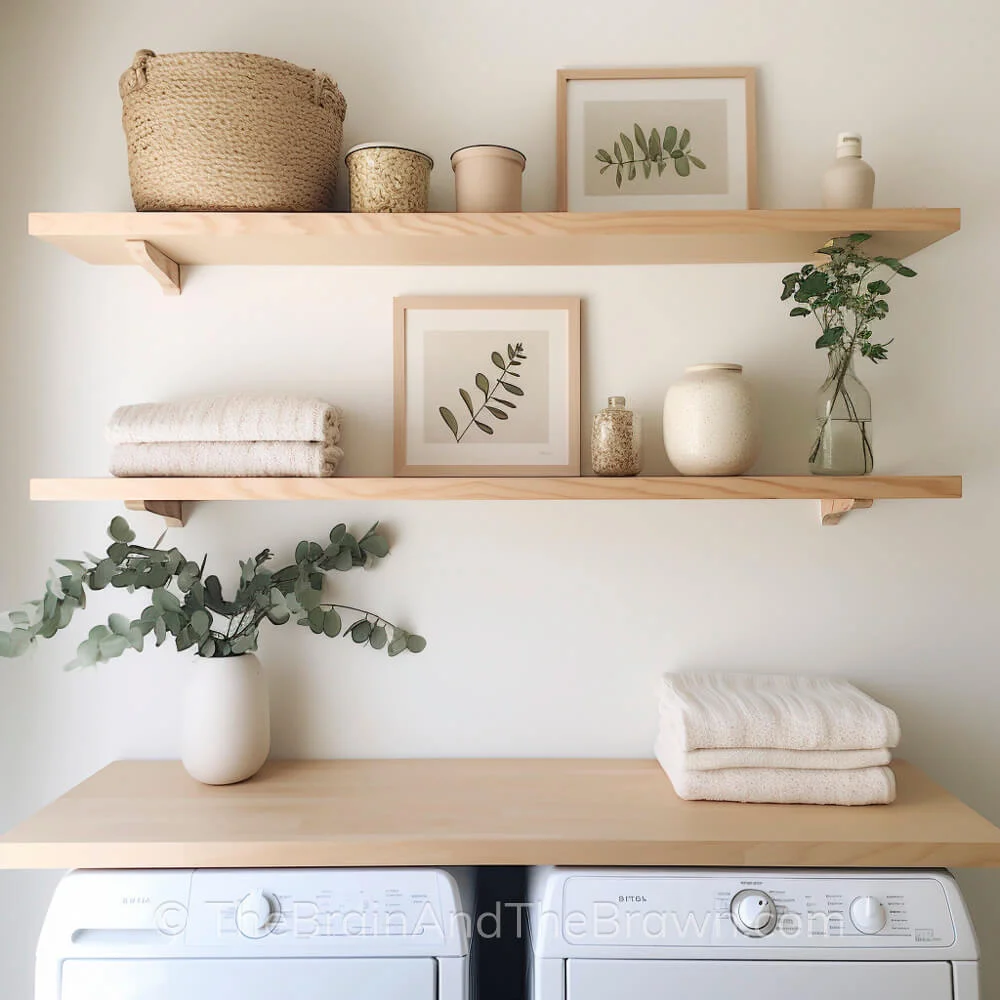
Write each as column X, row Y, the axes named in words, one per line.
column 592, row 106
column 486, row 386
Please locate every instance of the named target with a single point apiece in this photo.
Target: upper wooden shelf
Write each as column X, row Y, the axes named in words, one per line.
column 155, row 240
column 838, row 494
column 150, row 814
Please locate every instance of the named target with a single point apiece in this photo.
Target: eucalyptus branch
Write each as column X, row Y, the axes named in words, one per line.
column 190, row 608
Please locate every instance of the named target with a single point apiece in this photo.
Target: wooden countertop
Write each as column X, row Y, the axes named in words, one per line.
column 466, row 812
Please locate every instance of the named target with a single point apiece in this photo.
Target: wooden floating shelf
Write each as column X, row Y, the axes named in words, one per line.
column 837, row 494
column 159, row 241
column 150, row 814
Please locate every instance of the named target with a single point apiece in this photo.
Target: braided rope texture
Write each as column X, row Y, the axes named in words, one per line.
column 230, row 132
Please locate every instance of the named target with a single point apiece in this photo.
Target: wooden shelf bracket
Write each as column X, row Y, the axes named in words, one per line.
column 833, row 510
column 165, row 271
column 172, row 511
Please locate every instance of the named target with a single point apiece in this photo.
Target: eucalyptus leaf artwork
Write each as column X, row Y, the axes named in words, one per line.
column 846, row 296
column 674, row 147
column 495, row 402
column 191, row 609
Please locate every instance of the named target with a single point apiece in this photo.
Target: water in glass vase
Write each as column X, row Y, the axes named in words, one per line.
column 843, row 444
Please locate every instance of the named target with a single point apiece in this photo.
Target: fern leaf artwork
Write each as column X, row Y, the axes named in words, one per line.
column 495, row 403
column 672, row 148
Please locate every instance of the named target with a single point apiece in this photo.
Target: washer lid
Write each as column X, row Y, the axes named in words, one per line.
column 250, row 979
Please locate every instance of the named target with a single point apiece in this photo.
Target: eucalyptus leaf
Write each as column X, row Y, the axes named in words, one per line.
column 514, row 390
column 119, row 624
column 375, row 546
column 332, row 623
column 498, row 413
column 467, row 399
column 497, row 358
column 485, row 428
column 378, row 638
column 317, row 619
column 449, row 419
column 120, row 531
column 640, row 139
column 483, row 384
column 361, row 631
column 669, row 138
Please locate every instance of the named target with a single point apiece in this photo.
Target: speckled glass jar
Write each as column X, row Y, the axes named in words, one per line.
column 388, row 178
column 616, row 441
column 709, row 422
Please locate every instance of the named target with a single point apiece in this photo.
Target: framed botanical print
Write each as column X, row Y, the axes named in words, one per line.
column 656, row 139
column 487, row 386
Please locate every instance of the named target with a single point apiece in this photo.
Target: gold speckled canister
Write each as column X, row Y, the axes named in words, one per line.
column 386, row 177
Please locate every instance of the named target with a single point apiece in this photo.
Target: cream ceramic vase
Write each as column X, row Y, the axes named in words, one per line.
column 226, row 724
column 850, row 182
column 488, row 178
column 709, row 422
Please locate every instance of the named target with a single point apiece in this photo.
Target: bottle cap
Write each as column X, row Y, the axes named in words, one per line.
column 616, row 400
column 848, row 144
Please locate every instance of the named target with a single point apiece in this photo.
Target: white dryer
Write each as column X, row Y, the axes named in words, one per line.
column 311, row 934
column 604, row 934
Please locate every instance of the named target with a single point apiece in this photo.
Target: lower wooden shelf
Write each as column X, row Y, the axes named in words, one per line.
column 150, row 814
column 838, row 494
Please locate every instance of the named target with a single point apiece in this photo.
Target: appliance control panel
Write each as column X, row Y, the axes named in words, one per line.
column 317, row 905
column 756, row 910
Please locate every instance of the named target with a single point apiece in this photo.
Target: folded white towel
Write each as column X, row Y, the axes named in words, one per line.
column 710, row 711
column 798, row 760
column 227, row 418
column 860, row 787
column 226, row 458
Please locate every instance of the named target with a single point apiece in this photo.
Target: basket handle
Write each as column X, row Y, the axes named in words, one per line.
column 326, row 94
column 134, row 78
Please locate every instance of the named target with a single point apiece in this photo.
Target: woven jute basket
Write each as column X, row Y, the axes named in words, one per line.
column 228, row 131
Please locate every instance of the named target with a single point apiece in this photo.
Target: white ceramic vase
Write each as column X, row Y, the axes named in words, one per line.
column 709, row 422
column 226, row 725
column 850, row 182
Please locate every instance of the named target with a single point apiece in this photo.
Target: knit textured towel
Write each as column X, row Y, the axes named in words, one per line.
column 227, row 418
column 226, row 458
column 711, row 711
column 863, row 786
column 797, row 760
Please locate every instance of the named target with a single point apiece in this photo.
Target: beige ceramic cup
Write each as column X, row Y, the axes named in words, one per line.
column 488, row 178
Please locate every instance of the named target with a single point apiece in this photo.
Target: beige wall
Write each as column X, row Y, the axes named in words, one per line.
column 547, row 624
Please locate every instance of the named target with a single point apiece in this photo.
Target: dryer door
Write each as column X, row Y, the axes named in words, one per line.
column 250, row 979
column 612, row 979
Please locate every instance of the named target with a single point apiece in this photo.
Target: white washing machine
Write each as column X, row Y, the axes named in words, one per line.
column 202, row 934
column 702, row 934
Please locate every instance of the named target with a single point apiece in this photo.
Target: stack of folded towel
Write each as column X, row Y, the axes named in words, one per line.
column 226, row 436
column 775, row 738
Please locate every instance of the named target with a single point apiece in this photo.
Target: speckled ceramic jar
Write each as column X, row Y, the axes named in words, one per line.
column 709, row 422
column 388, row 178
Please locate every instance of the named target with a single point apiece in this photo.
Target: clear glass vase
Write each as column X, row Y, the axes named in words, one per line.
column 843, row 443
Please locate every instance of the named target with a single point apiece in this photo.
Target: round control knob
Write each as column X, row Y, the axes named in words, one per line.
column 257, row 914
column 753, row 913
column 868, row 914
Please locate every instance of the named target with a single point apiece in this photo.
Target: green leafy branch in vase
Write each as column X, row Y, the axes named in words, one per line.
column 672, row 148
column 492, row 402
column 190, row 608
column 845, row 303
